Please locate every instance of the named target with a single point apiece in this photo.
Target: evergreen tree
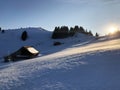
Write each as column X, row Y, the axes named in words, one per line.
column 64, row 32
column 90, row 33
column 60, row 32
column 71, row 32
column 24, row 36
column 97, row 35
column 76, row 29
column 81, row 30
column 86, row 32
column 55, row 34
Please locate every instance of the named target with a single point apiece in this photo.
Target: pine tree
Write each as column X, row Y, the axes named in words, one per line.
column 24, row 36
column 71, row 32
column 76, row 29
column 82, row 30
column 90, row 33
column 64, row 32
column 60, row 32
column 55, row 33
column 97, row 35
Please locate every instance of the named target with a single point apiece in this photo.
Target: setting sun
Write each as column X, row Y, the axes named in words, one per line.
column 112, row 29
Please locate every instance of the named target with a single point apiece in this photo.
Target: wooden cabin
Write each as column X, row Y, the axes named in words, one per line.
column 25, row 52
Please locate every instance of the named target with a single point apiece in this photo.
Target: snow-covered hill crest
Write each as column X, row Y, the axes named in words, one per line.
column 38, row 38
column 11, row 39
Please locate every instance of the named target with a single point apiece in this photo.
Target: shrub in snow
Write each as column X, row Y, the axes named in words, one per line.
column 24, row 36
column 57, row 43
column 3, row 31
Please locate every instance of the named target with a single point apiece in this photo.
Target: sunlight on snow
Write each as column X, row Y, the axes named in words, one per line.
column 107, row 45
column 32, row 50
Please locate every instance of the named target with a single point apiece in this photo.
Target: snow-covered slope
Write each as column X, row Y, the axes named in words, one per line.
column 39, row 38
column 82, row 63
column 10, row 41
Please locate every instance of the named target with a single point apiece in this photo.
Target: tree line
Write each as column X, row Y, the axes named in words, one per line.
column 64, row 32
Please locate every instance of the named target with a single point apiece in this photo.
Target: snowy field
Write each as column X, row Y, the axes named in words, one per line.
column 76, row 65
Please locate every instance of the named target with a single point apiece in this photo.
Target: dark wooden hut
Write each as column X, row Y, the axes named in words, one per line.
column 25, row 52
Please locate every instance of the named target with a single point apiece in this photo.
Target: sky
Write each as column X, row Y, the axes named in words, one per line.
column 94, row 15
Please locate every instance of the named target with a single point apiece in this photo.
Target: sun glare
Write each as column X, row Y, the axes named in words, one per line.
column 112, row 29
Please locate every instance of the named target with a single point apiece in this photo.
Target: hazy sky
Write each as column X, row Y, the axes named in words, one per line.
column 95, row 15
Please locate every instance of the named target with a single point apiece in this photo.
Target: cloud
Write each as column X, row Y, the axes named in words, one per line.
column 73, row 1
column 111, row 1
column 90, row 1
